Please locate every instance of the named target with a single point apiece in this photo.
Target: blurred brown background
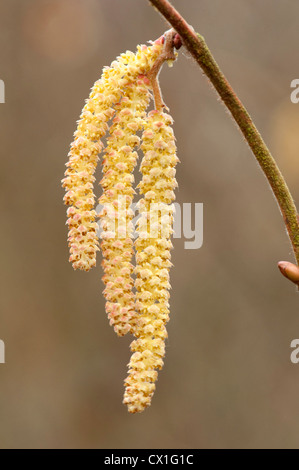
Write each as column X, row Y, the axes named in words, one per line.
column 228, row 380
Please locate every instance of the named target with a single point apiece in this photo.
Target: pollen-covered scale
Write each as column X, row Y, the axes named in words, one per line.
column 136, row 274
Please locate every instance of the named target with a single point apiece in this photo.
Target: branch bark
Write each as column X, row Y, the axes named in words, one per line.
column 198, row 48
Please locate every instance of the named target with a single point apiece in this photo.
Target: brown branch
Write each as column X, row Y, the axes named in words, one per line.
column 198, row 48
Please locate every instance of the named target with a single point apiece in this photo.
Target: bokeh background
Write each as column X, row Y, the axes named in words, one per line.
column 227, row 381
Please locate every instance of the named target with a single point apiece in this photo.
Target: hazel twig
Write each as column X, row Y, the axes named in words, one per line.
column 198, row 48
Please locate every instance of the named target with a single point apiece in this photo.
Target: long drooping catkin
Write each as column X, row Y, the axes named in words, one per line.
column 79, row 176
column 83, row 155
column 116, row 216
column 153, row 260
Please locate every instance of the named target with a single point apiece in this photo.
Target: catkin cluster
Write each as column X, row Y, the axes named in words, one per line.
column 136, row 294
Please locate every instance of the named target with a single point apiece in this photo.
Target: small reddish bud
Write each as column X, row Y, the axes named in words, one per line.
column 290, row 271
column 177, row 41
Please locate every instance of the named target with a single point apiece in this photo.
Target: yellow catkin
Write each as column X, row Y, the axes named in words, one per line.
column 118, row 165
column 83, row 155
column 116, row 216
column 153, row 247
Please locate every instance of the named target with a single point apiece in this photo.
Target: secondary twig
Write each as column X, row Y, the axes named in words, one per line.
column 167, row 54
